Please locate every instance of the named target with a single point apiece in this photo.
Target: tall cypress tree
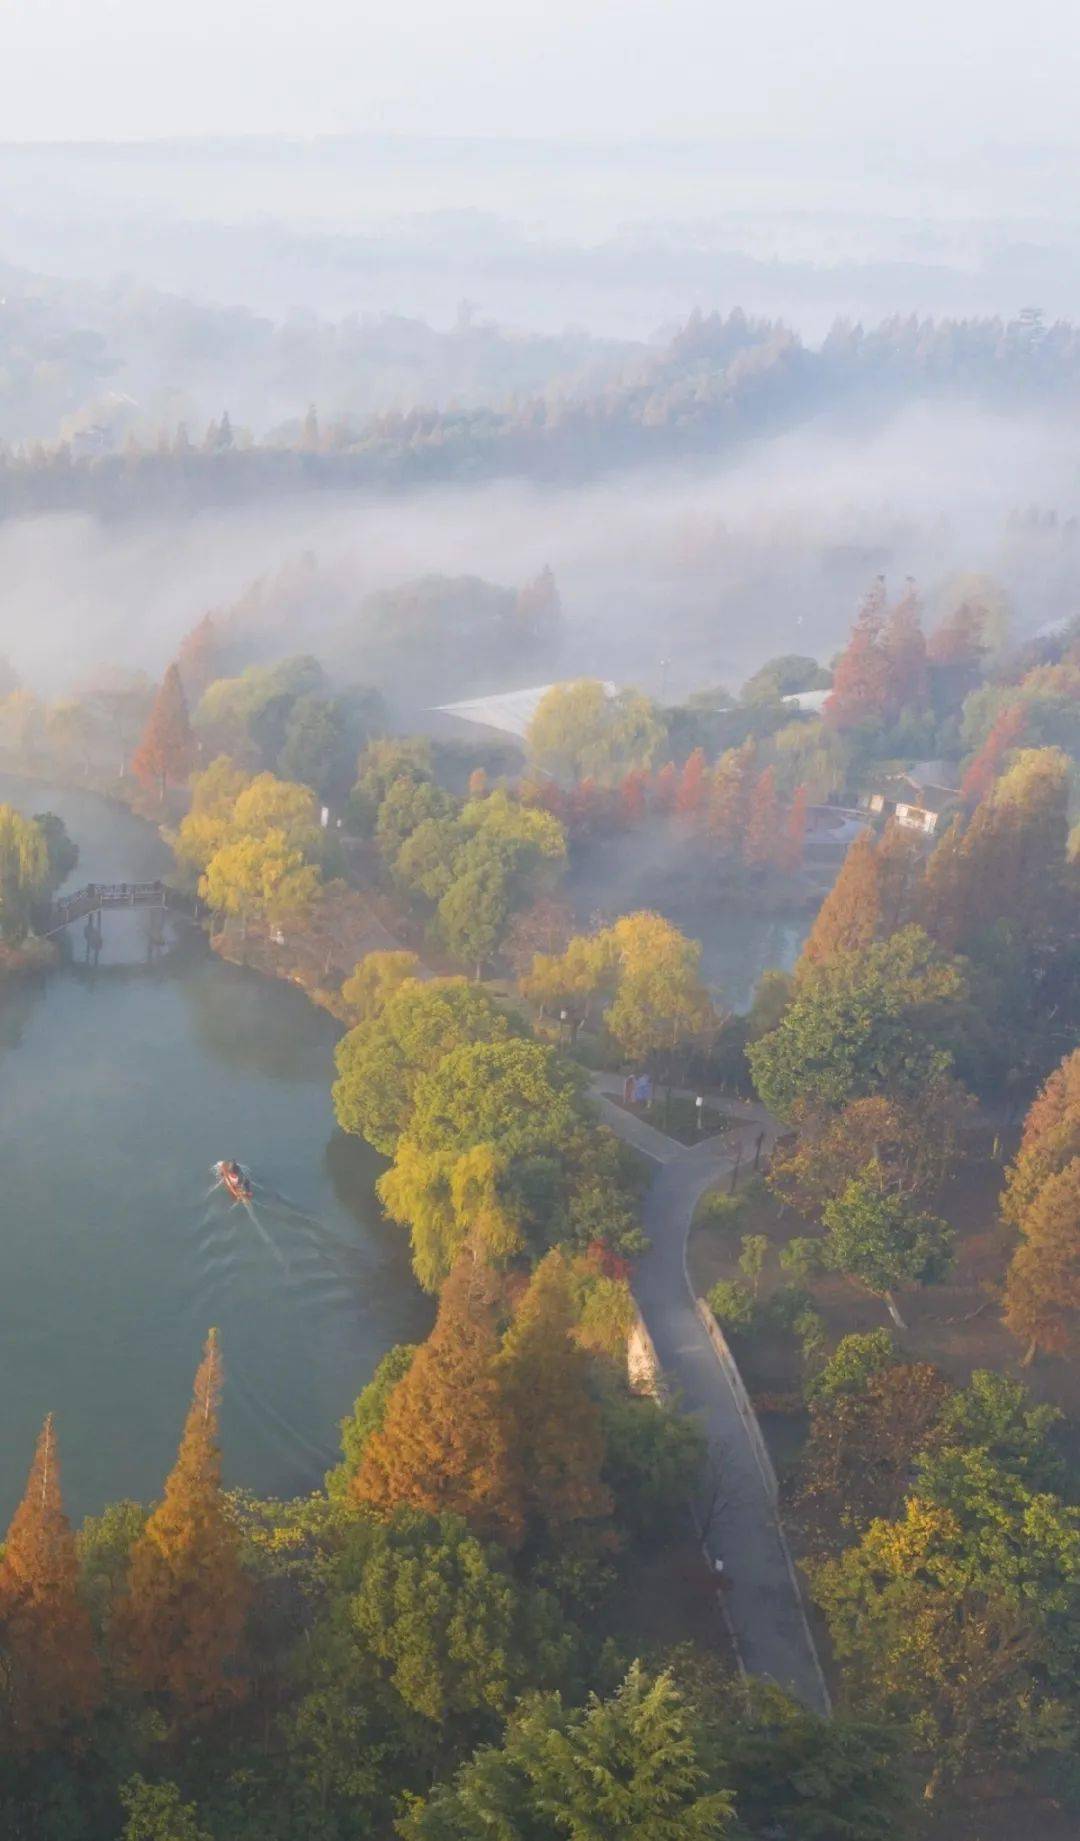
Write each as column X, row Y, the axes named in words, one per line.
column 181, row 1623
column 446, row 1443
column 848, row 918
column 557, row 1435
column 51, row 1678
column 166, row 751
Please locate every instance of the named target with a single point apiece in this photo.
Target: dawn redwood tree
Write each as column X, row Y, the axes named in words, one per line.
column 763, row 839
column 904, row 645
column 556, row 1422
column 848, row 918
column 729, row 797
column 50, row 1679
column 446, row 1444
column 197, row 658
column 692, row 792
column 1042, row 1289
column 665, row 790
column 984, row 768
column 166, row 752
column 181, row 1621
column 633, row 796
column 1050, row 1140
column 861, row 682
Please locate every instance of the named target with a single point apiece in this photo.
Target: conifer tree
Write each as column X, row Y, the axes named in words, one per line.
column 665, row 788
column 633, row 795
column 1042, row 1290
column 904, row 645
column 729, row 799
column 763, row 839
column 861, row 681
column 690, row 798
column 446, row 1444
column 849, row 916
column 50, row 1679
column 197, row 658
column 556, row 1423
column 181, row 1623
column 166, row 751
column 1051, row 1138
column 983, row 770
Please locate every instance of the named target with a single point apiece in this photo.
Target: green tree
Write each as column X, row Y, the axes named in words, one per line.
column 24, row 872
column 882, row 1241
column 368, row 1414
column 374, row 980
column 158, row 1812
column 475, row 909
column 633, row 1765
column 581, row 732
column 884, row 1020
column 381, row 1061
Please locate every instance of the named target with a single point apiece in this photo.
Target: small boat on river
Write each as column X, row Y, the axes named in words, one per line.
column 233, row 1177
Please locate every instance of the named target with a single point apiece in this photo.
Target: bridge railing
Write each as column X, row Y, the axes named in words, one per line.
column 97, row 895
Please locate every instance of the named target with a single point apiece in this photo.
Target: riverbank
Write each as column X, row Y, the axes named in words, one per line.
column 33, row 955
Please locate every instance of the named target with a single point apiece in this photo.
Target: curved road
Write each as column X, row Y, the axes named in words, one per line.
column 763, row 1600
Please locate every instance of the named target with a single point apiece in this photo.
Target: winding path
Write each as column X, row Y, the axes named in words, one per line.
column 763, row 1600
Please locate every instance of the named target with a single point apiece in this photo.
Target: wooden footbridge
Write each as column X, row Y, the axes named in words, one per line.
column 98, row 895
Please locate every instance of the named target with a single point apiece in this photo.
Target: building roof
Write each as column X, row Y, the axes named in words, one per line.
column 508, row 711
column 810, row 701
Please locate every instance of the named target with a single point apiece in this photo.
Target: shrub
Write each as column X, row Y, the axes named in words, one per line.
column 720, row 1210
column 802, row 1257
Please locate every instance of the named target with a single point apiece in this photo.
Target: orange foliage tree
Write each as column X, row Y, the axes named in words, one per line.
column 180, row 1625
column 197, row 658
column 848, row 918
column 793, row 851
column 729, row 797
column 446, row 1444
column 1042, row 1290
column 763, row 840
column 861, row 680
column 50, row 1675
column 166, row 751
column 904, row 645
column 983, row 770
column 690, row 798
column 1051, row 1138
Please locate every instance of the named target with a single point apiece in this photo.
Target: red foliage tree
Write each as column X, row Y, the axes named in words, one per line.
column 904, row 645
column 665, row 788
column 764, row 838
column 166, row 751
column 1006, row 733
column 861, row 681
column 960, row 639
column 692, row 790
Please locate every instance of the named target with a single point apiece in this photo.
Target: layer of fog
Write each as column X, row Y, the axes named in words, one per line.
column 668, row 579
column 618, row 239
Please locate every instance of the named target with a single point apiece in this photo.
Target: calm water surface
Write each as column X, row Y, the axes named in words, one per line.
column 120, row 1085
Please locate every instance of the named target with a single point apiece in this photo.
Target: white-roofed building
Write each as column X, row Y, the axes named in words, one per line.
column 509, row 712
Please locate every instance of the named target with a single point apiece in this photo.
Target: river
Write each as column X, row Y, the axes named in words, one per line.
column 120, row 1085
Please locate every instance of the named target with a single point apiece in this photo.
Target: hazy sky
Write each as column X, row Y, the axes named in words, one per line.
column 953, row 73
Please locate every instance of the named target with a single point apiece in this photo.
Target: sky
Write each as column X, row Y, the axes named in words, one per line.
column 955, row 73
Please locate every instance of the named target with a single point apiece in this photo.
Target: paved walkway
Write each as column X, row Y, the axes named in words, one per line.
column 763, row 1598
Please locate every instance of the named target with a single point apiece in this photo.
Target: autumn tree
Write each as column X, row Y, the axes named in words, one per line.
column 166, row 752
column 904, row 645
column 660, row 1001
column 545, row 927
column 197, row 658
column 763, row 839
column 581, row 730
column 729, row 797
column 913, row 1145
column 1042, row 1289
column 556, row 1423
column 1050, row 1140
column 693, row 790
column 181, row 1622
column 1006, row 865
column 374, row 980
column 863, row 1441
column 665, row 789
column 861, row 681
column 50, row 1679
column 446, row 1444
column 848, row 918
column 633, row 795
column 985, row 766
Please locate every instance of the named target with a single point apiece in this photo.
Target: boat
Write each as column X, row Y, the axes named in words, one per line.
column 233, row 1177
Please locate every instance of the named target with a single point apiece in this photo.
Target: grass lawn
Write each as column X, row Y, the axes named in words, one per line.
column 678, row 1117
